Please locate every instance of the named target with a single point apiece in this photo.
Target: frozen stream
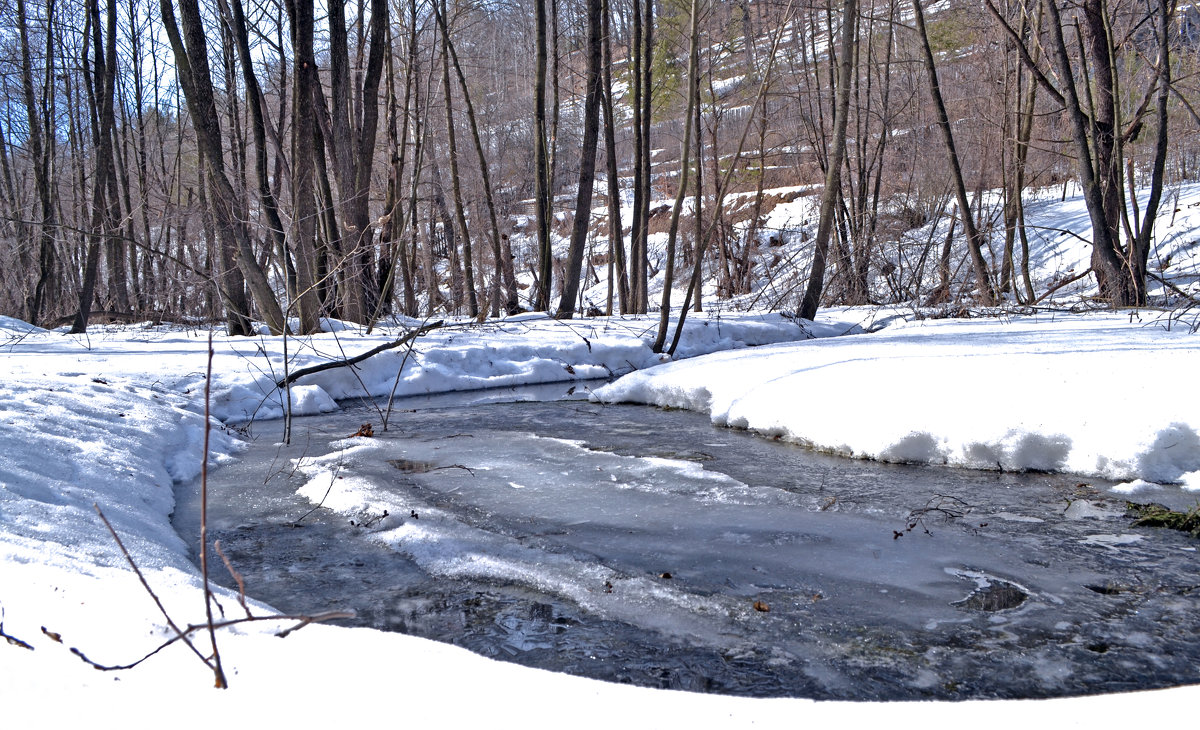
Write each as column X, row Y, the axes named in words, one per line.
column 646, row 546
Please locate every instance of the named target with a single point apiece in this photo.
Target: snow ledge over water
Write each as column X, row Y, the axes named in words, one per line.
column 1097, row 395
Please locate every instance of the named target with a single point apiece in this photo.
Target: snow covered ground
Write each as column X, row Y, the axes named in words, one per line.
column 1105, row 395
column 116, row 417
column 1058, row 229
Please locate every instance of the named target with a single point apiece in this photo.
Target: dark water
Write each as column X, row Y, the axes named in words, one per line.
column 646, row 546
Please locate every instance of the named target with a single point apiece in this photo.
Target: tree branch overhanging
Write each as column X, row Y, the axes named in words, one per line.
column 407, row 338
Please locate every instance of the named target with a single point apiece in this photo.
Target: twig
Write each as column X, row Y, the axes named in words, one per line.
column 218, row 671
column 950, row 507
column 332, row 480
column 396, row 384
column 9, row 637
column 237, row 577
column 304, row 621
column 354, row 371
column 1172, row 287
column 179, row 633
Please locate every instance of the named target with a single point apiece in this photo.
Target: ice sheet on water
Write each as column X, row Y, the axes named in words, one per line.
column 648, row 542
column 473, row 524
column 661, row 543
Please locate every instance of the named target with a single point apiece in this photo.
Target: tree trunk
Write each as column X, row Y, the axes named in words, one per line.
column 684, row 168
column 833, row 168
column 303, row 277
column 504, row 264
column 39, row 153
column 460, row 215
column 974, row 239
column 587, row 163
column 542, row 193
column 698, row 194
column 299, row 284
column 409, row 260
column 1093, row 169
column 393, row 252
column 353, row 122
column 646, row 182
column 1140, row 248
column 637, row 256
column 616, row 234
column 191, row 61
column 102, row 88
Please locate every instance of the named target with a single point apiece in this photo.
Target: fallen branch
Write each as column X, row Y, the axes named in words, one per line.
column 412, row 335
column 1061, row 284
column 155, row 318
column 306, row 620
column 1172, row 287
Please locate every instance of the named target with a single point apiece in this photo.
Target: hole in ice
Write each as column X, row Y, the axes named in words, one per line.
column 997, row 596
column 408, row 466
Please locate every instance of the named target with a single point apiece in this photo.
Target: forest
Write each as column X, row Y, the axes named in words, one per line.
column 252, row 161
column 909, row 456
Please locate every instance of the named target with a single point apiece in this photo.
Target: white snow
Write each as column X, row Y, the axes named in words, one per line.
column 114, row 418
column 1097, row 395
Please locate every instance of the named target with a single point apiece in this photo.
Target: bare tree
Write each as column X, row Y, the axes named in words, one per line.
column 504, row 265
column 191, row 65
column 837, row 155
column 643, row 94
column 693, row 98
column 1087, row 86
column 460, row 215
column 304, row 202
column 300, row 285
column 40, row 154
column 101, row 75
column 983, row 280
column 616, row 235
column 587, row 165
column 543, row 195
column 353, row 125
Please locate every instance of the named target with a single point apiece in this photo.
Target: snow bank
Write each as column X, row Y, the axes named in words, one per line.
column 115, row 417
column 523, row 350
column 1102, row 395
column 10, row 327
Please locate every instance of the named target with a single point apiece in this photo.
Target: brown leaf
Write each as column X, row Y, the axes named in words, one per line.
column 364, row 431
column 761, row 607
